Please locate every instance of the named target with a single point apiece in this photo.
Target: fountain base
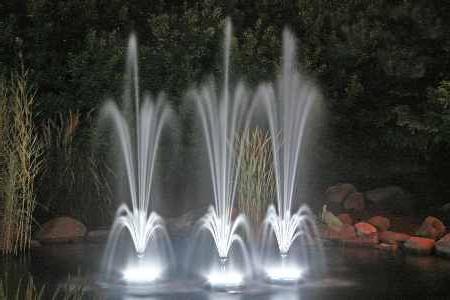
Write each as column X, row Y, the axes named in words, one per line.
column 285, row 275
column 225, row 281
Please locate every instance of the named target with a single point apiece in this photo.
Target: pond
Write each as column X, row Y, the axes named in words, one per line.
column 358, row 273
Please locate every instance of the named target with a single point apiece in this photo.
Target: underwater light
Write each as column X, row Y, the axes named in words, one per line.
column 225, row 279
column 285, row 274
column 141, row 274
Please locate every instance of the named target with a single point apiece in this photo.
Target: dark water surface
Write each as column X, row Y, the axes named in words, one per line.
column 352, row 273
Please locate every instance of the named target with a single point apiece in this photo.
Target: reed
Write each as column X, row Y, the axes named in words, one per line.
column 75, row 179
column 22, row 153
column 256, row 188
column 27, row 289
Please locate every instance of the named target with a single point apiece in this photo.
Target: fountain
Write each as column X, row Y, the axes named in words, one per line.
column 288, row 106
column 223, row 116
column 138, row 131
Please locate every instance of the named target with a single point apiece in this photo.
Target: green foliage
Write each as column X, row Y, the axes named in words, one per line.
column 381, row 65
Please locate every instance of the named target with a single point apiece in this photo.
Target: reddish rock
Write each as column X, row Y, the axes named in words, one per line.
column 393, row 238
column 354, row 202
column 366, row 231
column 339, row 192
column 61, row 230
column 381, row 223
column 405, row 224
column 431, row 228
column 360, row 242
column 420, row 245
column 347, row 232
column 97, row 236
column 387, row 247
column 443, row 245
column 346, row 219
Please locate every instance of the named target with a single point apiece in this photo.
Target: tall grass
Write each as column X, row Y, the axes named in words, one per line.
column 256, row 188
column 27, row 289
column 22, row 159
column 75, row 179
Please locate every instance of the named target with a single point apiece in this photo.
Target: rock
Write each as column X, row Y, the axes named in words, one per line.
column 354, row 202
column 431, row 228
column 390, row 198
column 366, row 231
column 346, row 219
column 393, row 238
column 360, row 242
column 443, row 245
column 339, row 192
column 387, row 247
column 381, row 223
column 97, row 236
column 331, row 220
column 347, row 232
column 61, row 230
column 420, row 245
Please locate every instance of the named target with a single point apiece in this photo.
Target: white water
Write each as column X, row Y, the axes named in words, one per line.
column 138, row 131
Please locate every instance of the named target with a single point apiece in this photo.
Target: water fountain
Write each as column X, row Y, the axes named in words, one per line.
column 223, row 116
column 137, row 131
column 288, row 105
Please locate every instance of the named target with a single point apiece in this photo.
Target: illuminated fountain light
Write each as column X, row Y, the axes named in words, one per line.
column 142, row 274
column 289, row 103
column 137, row 129
column 284, row 274
column 224, row 115
column 225, row 280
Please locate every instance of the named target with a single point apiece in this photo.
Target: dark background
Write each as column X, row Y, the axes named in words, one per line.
column 382, row 66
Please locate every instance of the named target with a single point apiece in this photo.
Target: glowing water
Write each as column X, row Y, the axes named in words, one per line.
column 288, row 105
column 138, row 131
column 223, row 116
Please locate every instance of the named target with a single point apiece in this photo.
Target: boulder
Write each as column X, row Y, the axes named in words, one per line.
column 420, row 245
column 391, row 198
column 346, row 219
column 360, row 242
column 347, row 232
column 443, row 245
column 393, row 238
column 355, row 202
column 387, row 247
column 97, row 236
column 330, row 219
column 338, row 192
column 61, row 230
column 431, row 228
column 381, row 223
column 366, row 231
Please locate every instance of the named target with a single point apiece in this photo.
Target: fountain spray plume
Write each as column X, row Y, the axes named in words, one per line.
column 138, row 131
column 223, row 116
column 288, row 106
